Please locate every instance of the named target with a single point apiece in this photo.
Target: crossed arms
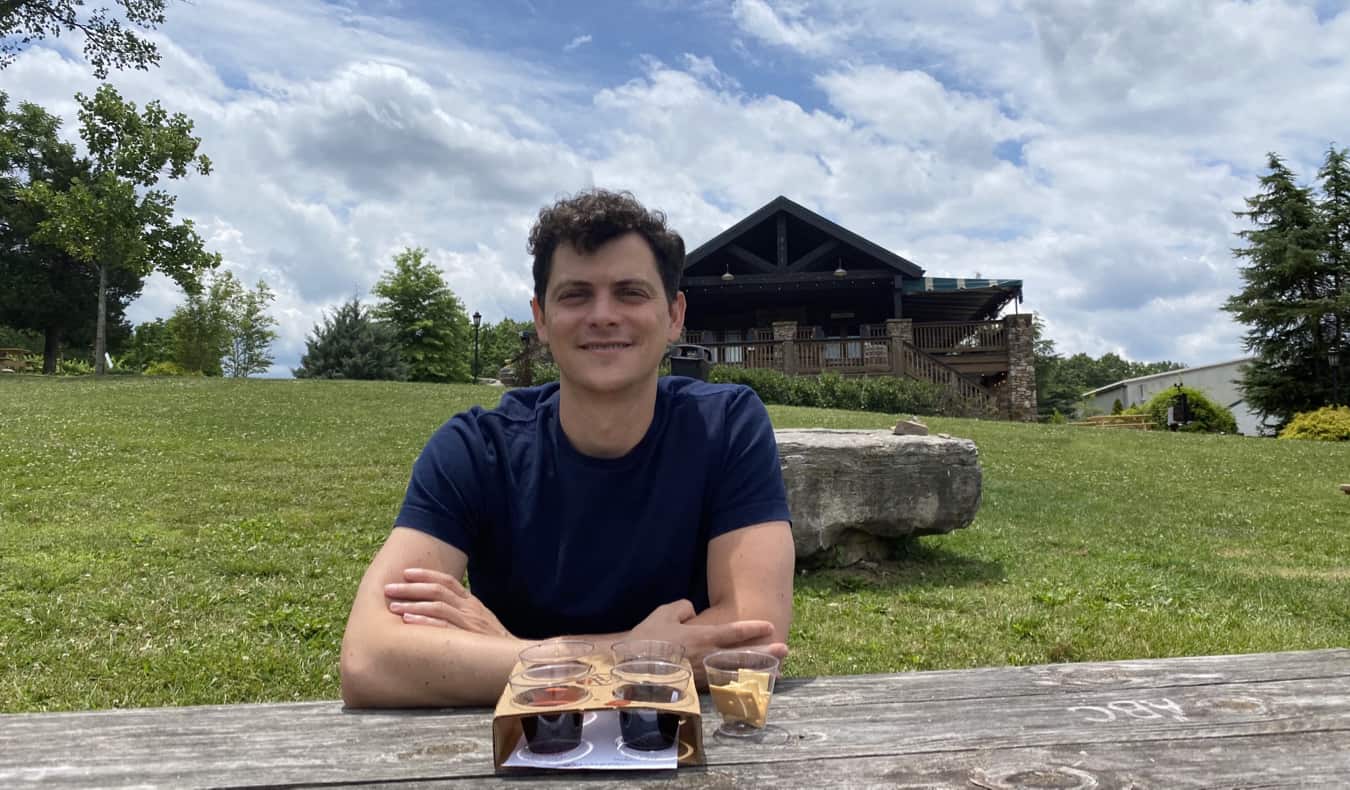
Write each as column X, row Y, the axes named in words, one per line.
column 417, row 638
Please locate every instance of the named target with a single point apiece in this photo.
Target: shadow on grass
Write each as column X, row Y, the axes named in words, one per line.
column 912, row 564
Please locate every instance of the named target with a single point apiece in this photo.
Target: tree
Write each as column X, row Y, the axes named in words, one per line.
column 42, row 288
column 106, row 41
column 351, row 345
column 200, row 328
column 251, row 333
column 1287, row 299
column 433, row 331
column 499, row 343
column 150, row 342
column 1334, row 209
column 1061, row 381
column 114, row 219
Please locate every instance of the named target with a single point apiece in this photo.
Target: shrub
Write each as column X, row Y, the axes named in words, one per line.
column 1117, row 407
column 831, row 391
column 73, row 367
column 169, row 369
column 1206, row 415
column 1327, row 424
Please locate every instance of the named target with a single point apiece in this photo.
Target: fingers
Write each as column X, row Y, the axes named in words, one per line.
column 740, row 633
column 435, row 577
column 417, row 619
column 437, row 612
column 421, row 591
column 681, row 610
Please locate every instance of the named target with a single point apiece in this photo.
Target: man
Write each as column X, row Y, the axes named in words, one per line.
column 612, row 504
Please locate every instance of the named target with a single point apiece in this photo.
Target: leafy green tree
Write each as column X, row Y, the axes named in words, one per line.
column 434, row 336
column 200, row 328
column 43, row 288
column 150, row 342
column 115, row 219
column 106, row 41
column 500, row 343
column 1287, row 298
column 1061, row 381
column 251, row 332
column 351, row 345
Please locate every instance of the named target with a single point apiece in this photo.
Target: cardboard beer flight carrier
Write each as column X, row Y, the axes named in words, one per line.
column 601, row 748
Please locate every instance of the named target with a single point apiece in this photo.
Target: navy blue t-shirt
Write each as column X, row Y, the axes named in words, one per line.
column 563, row 543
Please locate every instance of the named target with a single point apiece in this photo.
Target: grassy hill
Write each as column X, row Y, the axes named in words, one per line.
column 173, row 542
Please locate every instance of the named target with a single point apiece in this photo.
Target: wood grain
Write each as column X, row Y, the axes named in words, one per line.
column 1270, row 720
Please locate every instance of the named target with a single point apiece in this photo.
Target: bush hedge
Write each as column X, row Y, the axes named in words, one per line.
column 1206, row 415
column 1327, row 424
column 831, row 391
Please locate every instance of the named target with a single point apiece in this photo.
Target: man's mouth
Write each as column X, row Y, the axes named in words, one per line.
column 613, row 346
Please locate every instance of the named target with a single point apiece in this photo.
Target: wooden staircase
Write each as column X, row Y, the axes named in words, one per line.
column 922, row 366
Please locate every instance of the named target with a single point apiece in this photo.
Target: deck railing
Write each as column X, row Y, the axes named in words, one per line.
column 871, row 352
column 947, row 337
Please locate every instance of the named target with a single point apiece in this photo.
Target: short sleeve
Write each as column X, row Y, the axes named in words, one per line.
column 748, row 489
column 445, row 495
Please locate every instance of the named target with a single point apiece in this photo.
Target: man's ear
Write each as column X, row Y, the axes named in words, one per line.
column 677, row 307
column 540, row 330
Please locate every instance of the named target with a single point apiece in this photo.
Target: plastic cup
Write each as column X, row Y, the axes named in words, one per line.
column 649, row 681
column 741, row 684
column 631, row 649
column 558, row 651
column 547, row 686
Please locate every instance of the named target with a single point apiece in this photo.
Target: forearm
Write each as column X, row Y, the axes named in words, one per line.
column 777, row 611
column 414, row 666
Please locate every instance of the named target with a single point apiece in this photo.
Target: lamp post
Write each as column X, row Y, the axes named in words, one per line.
column 1334, row 360
column 477, row 320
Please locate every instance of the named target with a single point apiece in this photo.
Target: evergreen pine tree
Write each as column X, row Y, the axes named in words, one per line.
column 1283, row 298
column 350, row 345
column 1335, row 211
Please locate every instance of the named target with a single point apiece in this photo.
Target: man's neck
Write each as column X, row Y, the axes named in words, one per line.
column 606, row 426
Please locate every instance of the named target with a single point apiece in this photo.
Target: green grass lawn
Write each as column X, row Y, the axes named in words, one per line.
column 174, row 542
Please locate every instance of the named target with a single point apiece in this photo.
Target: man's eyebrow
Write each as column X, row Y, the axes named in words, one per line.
column 626, row 283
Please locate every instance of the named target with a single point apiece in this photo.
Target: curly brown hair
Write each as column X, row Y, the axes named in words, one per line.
column 589, row 219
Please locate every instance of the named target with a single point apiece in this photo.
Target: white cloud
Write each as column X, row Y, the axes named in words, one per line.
column 789, row 28
column 579, row 41
column 1093, row 150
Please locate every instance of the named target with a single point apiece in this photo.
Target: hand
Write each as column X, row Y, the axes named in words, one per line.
column 428, row 597
column 670, row 623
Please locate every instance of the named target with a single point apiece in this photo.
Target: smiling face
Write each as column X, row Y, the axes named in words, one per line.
column 605, row 317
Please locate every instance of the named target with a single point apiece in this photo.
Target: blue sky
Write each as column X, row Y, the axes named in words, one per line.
column 1094, row 149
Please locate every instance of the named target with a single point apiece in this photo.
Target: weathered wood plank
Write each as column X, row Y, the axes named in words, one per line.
column 1250, row 762
column 1167, row 711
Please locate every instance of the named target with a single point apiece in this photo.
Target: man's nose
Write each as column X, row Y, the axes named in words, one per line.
column 604, row 309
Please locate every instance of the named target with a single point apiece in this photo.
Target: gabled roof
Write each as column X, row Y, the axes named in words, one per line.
column 780, row 203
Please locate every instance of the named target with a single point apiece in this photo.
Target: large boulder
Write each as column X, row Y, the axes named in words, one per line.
column 852, row 493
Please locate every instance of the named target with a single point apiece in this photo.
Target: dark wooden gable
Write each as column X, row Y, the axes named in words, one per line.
column 785, row 242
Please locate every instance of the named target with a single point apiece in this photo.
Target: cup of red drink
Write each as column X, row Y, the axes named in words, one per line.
column 551, row 686
column 649, row 681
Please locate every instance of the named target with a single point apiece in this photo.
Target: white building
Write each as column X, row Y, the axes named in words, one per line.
column 1217, row 381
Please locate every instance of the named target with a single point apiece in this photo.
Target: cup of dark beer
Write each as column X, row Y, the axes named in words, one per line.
column 546, row 686
column 649, row 681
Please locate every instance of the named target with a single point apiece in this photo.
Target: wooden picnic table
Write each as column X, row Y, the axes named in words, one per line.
column 1265, row 720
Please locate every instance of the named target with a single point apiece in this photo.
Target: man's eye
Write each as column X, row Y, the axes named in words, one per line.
column 633, row 293
column 571, row 296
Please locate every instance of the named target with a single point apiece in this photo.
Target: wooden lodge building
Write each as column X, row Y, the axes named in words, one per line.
column 788, row 289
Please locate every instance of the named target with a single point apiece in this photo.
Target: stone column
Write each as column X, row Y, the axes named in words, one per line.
column 785, row 335
column 1021, row 386
column 898, row 332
